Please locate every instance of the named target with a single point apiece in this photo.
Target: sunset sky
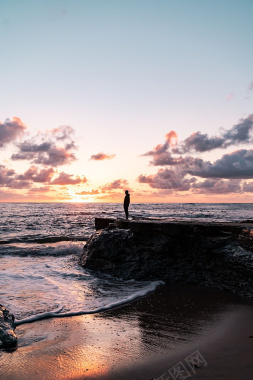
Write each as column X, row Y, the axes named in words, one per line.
column 153, row 96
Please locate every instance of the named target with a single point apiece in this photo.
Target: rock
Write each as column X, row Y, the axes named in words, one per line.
column 8, row 337
column 175, row 252
column 246, row 239
column 101, row 223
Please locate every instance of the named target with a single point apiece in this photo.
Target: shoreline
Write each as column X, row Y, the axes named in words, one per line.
column 139, row 341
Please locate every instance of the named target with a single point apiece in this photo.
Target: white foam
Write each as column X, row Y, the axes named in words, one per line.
column 37, row 317
column 56, row 314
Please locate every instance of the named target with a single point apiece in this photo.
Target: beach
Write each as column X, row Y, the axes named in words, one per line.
column 142, row 340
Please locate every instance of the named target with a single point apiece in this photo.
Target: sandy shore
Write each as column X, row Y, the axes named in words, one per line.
column 143, row 340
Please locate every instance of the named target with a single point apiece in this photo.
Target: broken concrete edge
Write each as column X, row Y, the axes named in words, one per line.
column 174, row 228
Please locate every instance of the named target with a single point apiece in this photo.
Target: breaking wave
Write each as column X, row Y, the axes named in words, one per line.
column 57, row 313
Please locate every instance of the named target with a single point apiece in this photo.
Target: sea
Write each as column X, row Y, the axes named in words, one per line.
column 40, row 246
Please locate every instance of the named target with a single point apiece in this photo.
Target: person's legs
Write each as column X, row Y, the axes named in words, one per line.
column 126, row 212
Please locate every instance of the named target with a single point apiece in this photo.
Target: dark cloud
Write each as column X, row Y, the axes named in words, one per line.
column 44, row 154
column 10, row 130
column 102, row 156
column 8, row 178
column 117, row 184
column 199, row 142
column 223, row 176
column 238, row 164
column 220, row 186
column 239, row 133
column 6, row 172
column 166, row 158
column 37, row 175
column 172, row 153
column 68, row 179
column 167, row 179
column 183, row 170
column 47, row 151
column 17, row 184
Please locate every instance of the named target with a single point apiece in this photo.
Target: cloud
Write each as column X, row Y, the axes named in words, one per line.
column 167, row 153
column 250, row 86
column 30, row 196
column 117, row 184
column 238, row 164
column 171, row 140
column 62, row 133
column 11, row 130
column 238, row 134
column 8, row 178
column 184, row 171
column 221, row 186
column 43, row 189
column 92, row 192
column 161, row 154
column 166, row 158
column 248, row 187
column 44, row 149
column 19, row 184
column 67, row 179
column 223, row 176
column 8, row 195
column 167, row 179
column 200, row 142
column 36, row 175
column 102, row 156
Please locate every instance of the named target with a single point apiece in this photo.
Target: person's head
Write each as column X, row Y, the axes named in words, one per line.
column 126, row 192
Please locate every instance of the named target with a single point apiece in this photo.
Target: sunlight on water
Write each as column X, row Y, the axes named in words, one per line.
column 33, row 286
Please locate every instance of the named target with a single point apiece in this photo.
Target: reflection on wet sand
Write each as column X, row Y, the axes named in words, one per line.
column 97, row 346
column 174, row 315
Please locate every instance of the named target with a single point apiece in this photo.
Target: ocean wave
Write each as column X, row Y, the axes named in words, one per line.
column 44, row 240
column 61, row 248
column 57, row 313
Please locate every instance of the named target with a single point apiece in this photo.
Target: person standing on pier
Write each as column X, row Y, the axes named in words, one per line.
column 126, row 203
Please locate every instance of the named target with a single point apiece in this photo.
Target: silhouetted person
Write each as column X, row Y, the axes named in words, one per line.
column 126, row 203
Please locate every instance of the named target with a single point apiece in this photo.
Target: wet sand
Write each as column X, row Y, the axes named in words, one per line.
column 141, row 340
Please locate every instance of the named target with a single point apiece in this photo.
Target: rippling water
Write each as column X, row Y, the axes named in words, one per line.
column 40, row 245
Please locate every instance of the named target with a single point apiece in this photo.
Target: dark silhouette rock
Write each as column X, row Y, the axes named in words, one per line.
column 177, row 252
column 101, row 223
column 8, row 337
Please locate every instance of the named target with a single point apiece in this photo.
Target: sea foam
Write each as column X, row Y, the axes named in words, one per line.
column 57, row 313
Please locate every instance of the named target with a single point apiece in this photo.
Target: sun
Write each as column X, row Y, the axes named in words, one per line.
column 77, row 199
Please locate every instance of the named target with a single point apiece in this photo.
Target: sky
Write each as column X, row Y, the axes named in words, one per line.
column 152, row 96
